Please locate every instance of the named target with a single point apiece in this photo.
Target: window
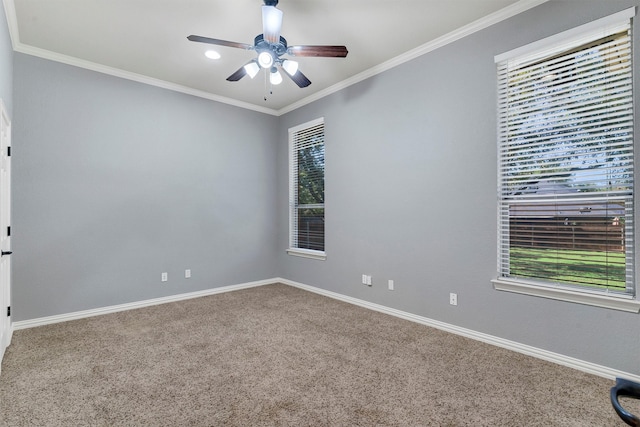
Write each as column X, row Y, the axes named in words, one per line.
column 306, row 190
column 565, row 162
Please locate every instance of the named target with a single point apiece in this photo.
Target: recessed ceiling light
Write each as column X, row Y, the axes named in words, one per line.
column 212, row 54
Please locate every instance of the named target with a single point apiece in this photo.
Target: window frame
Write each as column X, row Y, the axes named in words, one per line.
column 577, row 294
column 293, row 248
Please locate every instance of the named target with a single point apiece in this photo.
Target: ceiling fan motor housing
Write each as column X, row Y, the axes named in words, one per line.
column 276, row 49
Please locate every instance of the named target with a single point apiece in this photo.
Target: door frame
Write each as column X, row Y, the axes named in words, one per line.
column 6, row 326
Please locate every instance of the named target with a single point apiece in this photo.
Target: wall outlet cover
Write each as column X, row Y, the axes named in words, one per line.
column 453, row 299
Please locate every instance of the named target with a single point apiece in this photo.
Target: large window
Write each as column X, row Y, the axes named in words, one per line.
column 565, row 161
column 306, row 189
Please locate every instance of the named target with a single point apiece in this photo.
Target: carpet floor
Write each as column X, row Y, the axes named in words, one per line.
column 280, row 356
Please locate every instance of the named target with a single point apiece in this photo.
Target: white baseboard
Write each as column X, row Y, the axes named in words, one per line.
column 549, row 356
column 41, row 321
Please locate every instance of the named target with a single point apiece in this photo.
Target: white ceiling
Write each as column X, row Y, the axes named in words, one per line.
column 146, row 40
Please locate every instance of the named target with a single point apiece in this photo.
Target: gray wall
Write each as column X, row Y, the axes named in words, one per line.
column 411, row 195
column 115, row 182
column 6, row 64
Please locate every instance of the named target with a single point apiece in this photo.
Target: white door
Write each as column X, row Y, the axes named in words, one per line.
column 5, row 230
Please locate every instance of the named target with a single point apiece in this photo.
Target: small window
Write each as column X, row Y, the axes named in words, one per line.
column 306, row 190
column 565, row 162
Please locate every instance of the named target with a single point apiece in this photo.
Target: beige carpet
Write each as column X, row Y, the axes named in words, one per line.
column 280, row 356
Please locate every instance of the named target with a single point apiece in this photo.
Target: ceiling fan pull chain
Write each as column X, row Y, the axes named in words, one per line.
column 265, row 86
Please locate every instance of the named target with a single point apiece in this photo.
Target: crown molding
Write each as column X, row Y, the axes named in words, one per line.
column 116, row 72
column 480, row 24
column 12, row 21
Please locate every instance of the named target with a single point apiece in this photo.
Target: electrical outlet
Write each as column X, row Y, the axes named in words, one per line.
column 165, row 277
column 366, row 279
column 453, row 299
column 187, row 273
column 391, row 285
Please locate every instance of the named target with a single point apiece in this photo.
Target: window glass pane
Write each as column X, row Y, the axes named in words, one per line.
column 311, row 229
column 306, row 191
column 311, row 175
column 574, row 243
column 566, row 166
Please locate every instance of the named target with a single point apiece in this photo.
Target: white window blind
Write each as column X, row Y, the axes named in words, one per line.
column 306, row 178
column 565, row 163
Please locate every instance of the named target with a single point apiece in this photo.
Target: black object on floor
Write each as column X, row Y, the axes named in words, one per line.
column 625, row 388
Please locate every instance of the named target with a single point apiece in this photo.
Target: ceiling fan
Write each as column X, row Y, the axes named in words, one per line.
column 270, row 47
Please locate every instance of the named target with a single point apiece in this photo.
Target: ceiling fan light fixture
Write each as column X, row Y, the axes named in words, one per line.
column 252, row 69
column 269, row 48
column 265, row 59
column 291, row 67
column 275, row 77
column 271, row 23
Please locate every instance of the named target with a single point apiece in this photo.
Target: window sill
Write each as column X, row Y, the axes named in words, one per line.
column 621, row 303
column 307, row 253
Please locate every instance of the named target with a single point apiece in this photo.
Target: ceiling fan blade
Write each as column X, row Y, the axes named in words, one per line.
column 324, row 51
column 271, row 24
column 219, row 42
column 238, row 74
column 298, row 78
